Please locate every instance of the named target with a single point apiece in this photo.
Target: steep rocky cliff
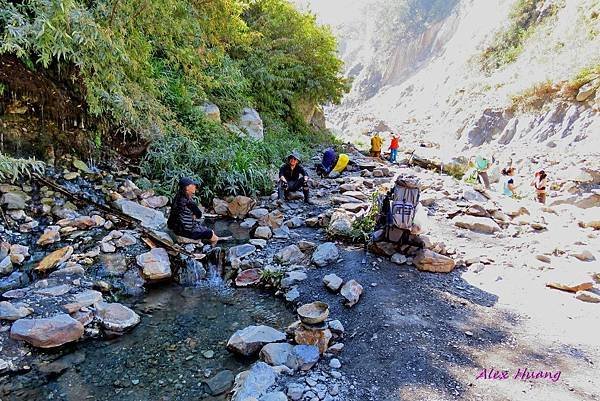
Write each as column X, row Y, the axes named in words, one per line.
column 433, row 84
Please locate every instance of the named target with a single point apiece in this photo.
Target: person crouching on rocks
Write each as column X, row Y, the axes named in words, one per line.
column 292, row 177
column 185, row 214
column 329, row 159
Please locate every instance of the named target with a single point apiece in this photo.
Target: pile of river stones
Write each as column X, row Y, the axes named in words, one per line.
column 297, row 350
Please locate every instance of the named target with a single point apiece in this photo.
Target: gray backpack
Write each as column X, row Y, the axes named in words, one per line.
column 399, row 207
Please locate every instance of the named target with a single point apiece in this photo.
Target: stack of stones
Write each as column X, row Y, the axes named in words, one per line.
column 312, row 329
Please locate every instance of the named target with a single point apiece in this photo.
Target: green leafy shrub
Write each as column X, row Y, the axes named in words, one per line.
column 363, row 227
column 12, row 168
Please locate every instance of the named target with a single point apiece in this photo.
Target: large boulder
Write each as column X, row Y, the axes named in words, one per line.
column 250, row 340
column 251, row 123
column 155, row 264
column 325, row 254
column 116, row 318
column 478, row 224
column 240, row 206
column 352, row 291
column 48, row 332
column 290, row 255
column 149, row 218
column 427, row 260
column 252, row 384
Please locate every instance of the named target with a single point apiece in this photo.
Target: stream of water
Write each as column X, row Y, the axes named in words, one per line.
column 179, row 344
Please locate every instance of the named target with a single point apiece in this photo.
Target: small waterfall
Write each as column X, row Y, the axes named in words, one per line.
column 196, row 274
column 192, row 273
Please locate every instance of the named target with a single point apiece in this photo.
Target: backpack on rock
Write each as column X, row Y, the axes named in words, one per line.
column 397, row 209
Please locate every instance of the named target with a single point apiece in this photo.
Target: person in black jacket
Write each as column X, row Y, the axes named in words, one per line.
column 292, row 177
column 184, row 216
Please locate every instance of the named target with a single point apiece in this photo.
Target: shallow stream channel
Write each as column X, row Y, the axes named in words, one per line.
column 177, row 352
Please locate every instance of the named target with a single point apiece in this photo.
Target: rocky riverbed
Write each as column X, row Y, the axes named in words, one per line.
column 518, row 290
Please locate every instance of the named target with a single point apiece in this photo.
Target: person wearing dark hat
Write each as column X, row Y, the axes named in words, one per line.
column 292, row 177
column 185, row 214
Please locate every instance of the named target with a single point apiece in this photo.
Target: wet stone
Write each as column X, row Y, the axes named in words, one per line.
column 11, row 312
column 221, row 382
column 48, row 332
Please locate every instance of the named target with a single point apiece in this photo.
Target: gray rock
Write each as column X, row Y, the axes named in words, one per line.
column 12, row 312
column 340, row 224
column 258, row 213
column 295, row 391
column 248, row 223
column 149, row 218
column 211, row 111
column 398, row 259
column 263, row 232
column 115, row 317
column 335, row 363
column 251, row 339
column 306, row 245
column 281, row 232
column 54, row 291
column 336, row 327
column 126, row 240
column 352, row 291
column 259, row 243
column 240, row 251
column 251, row 123
column 587, row 90
column 292, row 278
column 478, row 224
column 82, row 300
column 294, row 222
column 275, row 396
column 15, row 200
column 292, row 295
column 49, row 332
column 473, row 196
column 155, row 264
column 221, row 382
column 333, row 282
column 6, row 266
column 325, row 254
column 15, row 280
column 289, row 255
column 276, row 354
column 72, row 270
column 253, row 382
column 303, row 357
column 113, row 265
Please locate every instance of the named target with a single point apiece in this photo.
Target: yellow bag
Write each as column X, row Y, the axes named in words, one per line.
column 341, row 163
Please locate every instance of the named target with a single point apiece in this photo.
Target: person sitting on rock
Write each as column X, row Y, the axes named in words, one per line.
column 292, row 177
column 482, row 165
column 508, row 186
column 329, row 160
column 185, row 214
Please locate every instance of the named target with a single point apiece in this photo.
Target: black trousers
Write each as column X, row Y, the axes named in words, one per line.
column 284, row 190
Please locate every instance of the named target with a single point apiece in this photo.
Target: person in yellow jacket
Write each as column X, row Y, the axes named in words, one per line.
column 376, row 143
